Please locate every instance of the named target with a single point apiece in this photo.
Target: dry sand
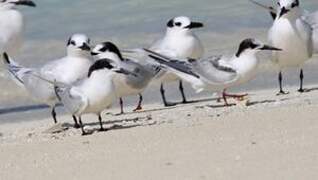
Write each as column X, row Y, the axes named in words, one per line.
column 264, row 138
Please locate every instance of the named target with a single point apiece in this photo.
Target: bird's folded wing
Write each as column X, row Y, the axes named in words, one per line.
column 183, row 69
column 73, row 100
column 215, row 70
column 312, row 19
column 181, row 66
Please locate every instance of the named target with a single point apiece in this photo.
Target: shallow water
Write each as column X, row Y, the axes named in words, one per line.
column 135, row 23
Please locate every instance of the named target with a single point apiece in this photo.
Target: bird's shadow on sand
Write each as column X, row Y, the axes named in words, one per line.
column 177, row 105
column 310, row 90
column 115, row 125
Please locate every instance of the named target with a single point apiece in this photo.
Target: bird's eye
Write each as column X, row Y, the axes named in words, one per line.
column 294, row 4
column 278, row 3
column 73, row 43
column 178, row 24
column 4, row 1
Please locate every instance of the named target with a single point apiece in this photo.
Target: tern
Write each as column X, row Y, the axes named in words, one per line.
column 69, row 69
column 130, row 84
column 217, row 73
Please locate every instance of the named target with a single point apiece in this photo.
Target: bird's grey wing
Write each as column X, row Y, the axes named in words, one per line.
column 312, row 20
column 72, row 98
column 54, row 69
column 139, row 76
column 306, row 33
column 215, row 70
column 181, row 66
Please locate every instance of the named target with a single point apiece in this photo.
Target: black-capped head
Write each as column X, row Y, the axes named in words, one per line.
column 106, row 50
column 79, row 45
column 183, row 23
column 287, row 6
column 253, row 46
column 9, row 4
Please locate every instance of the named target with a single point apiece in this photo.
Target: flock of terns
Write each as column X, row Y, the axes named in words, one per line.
column 89, row 79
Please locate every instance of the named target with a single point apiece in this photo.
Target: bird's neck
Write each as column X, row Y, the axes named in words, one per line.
column 79, row 54
column 246, row 62
column 110, row 56
column 171, row 33
column 293, row 15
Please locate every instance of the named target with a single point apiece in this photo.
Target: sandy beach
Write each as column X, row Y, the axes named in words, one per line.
column 264, row 137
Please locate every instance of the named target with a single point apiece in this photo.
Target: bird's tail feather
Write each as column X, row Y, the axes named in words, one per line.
column 74, row 102
column 181, row 70
column 16, row 71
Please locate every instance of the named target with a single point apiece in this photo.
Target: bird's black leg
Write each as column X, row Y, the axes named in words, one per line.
column 139, row 107
column 101, row 123
column 53, row 113
column 162, row 91
column 76, row 125
column 121, row 103
column 184, row 99
column 82, row 126
column 301, row 90
column 280, row 80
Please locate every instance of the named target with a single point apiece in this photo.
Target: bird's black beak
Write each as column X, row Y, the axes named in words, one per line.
column 85, row 47
column 25, row 3
column 271, row 48
column 283, row 11
column 195, row 25
column 6, row 58
column 94, row 53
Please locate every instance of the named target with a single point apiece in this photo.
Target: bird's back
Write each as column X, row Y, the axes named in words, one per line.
column 185, row 46
column 66, row 70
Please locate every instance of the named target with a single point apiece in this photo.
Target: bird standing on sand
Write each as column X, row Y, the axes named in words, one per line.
column 11, row 25
column 294, row 35
column 178, row 42
column 93, row 94
column 130, row 84
column 310, row 18
column 67, row 70
column 217, row 73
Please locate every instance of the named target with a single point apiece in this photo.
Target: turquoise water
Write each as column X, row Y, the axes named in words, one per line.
column 135, row 23
column 110, row 18
column 131, row 23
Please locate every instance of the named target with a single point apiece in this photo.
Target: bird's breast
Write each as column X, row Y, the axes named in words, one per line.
column 285, row 35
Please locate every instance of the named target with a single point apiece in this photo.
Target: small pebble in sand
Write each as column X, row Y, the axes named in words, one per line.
column 30, row 135
column 149, row 117
column 86, row 142
column 57, row 128
column 1, row 134
column 237, row 158
column 169, row 164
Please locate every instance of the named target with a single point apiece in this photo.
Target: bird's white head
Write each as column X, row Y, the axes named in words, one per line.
column 10, row 4
column 288, row 8
column 78, row 45
column 249, row 47
column 107, row 50
column 182, row 25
